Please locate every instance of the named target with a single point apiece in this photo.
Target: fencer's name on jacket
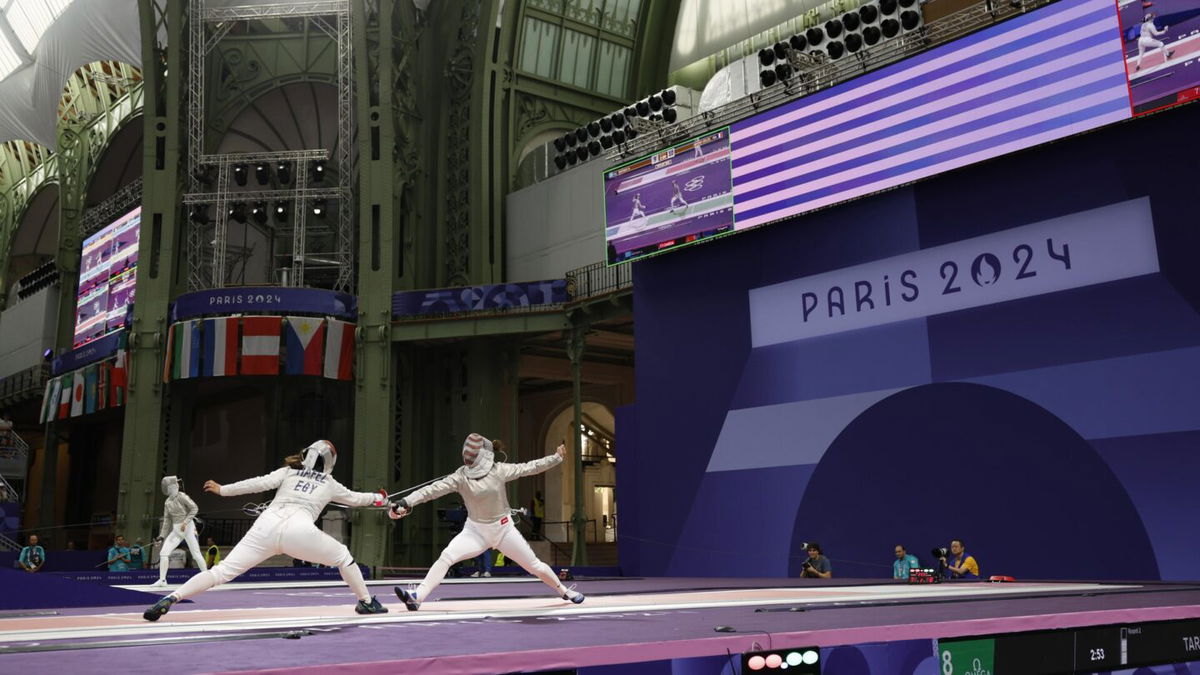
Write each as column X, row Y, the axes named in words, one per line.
column 243, row 298
column 310, row 474
column 1081, row 249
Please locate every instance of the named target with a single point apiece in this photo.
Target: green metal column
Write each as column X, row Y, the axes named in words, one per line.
column 575, row 346
column 160, row 238
column 374, row 390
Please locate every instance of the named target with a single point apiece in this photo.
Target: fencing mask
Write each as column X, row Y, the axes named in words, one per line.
column 320, row 456
column 170, row 485
column 477, row 456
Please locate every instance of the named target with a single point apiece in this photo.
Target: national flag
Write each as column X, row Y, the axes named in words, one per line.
column 77, row 385
column 64, row 397
column 49, row 401
column 305, row 345
column 220, row 347
column 118, row 378
column 90, row 377
column 186, row 357
column 939, row 110
column 170, row 355
column 102, row 385
column 339, row 350
column 260, row 345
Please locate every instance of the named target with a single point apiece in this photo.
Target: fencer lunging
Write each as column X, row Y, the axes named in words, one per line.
column 480, row 481
column 303, row 486
column 178, row 525
column 1146, row 41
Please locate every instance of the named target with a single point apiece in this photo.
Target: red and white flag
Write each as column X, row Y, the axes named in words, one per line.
column 118, row 379
column 339, row 350
column 77, row 394
column 260, row 345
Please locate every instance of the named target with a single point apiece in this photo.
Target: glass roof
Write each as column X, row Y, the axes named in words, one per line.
column 22, row 23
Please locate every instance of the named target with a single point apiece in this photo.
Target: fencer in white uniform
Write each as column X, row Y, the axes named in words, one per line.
column 1147, row 41
column 480, row 481
column 178, row 525
column 303, row 486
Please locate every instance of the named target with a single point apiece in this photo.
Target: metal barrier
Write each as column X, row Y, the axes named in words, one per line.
column 598, row 279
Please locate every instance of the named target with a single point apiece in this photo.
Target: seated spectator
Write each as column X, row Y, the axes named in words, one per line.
column 959, row 565
column 817, row 566
column 905, row 561
column 119, row 556
column 32, row 557
column 212, row 554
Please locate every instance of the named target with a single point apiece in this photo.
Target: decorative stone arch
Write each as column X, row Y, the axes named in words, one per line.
column 559, row 490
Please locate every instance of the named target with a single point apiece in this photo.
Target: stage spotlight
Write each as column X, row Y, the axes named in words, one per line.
column 781, row 50
column 668, row 96
column 560, row 144
column 203, row 174
column 581, row 135
column 887, row 6
column 854, row 42
column 593, row 129
column 850, row 21
column 48, row 354
column 909, row 19
column 670, row 115
column 836, row 49
column 571, row 159
column 798, row 42
column 868, row 13
column 317, row 170
column 783, row 71
column 906, row 4
column 259, row 213
column 199, row 214
column 630, row 132
column 766, row 78
column 643, row 109
column 871, row 35
column 814, row 36
column 630, row 112
column 239, row 174
column 319, row 208
column 606, row 125
column 281, row 212
column 570, row 139
column 618, row 136
column 766, row 57
column 833, row 28
column 262, row 173
column 656, row 103
column 594, row 148
column 582, row 153
column 283, row 171
column 618, row 120
column 606, row 141
column 890, row 27
column 560, row 162
column 237, row 211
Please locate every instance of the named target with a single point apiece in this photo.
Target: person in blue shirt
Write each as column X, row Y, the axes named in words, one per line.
column 904, row 562
column 136, row 555
column 119, row 556
column 32, row 556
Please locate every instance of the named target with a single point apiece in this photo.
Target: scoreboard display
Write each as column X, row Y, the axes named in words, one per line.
column 1072, row 650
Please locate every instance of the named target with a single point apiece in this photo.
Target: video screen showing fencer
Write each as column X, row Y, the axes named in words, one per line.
column 674, row 197
column 107, row 278
column 1161, row 41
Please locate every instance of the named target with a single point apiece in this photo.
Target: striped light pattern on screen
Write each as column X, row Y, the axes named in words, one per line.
column 1048, row 74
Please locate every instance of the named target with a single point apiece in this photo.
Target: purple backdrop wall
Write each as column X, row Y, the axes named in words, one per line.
column 1053, row 433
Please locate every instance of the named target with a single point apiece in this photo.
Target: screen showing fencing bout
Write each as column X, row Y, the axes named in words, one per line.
column 107, row 276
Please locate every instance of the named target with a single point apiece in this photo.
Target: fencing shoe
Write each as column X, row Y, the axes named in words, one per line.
column 573, row 595
column 409, row 598
column 161, row 607
column 487, row 575
column 372, row 607
column 161, row 583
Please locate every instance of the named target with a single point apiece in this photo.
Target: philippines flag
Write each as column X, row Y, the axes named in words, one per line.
column 186, row 353
column 220, row 347
column 305, row 345
column 260, row 345
column 77, row 394
column 339, row 350
column 64, row 397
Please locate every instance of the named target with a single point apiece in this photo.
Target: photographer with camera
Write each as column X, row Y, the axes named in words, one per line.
column 955, row 563
column 817, row 566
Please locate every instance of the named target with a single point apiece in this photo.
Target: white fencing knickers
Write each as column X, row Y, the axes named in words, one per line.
column 476, row 538
column 288, row 530
column 172, row 542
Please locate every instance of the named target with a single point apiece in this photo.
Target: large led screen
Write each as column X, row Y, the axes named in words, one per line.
column 674, row 197
column 107, row 276
column 1162, row 41
column 1067, row 68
